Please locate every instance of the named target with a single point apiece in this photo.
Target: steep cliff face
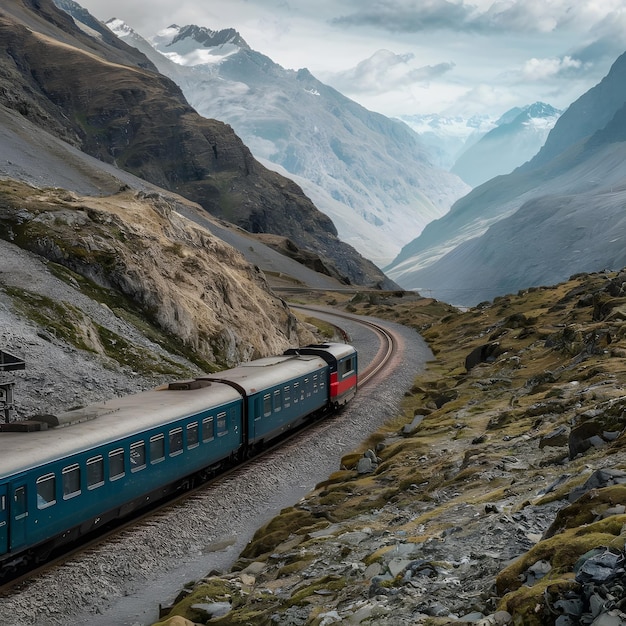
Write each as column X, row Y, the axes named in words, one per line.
column 117, row 109
column 153, row 268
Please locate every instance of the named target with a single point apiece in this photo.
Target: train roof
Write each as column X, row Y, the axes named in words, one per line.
column 338, row 350
column 260, row 374
column 106, row 422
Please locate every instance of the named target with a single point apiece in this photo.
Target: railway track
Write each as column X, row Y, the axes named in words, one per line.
column 387, row 346
column 388, row 343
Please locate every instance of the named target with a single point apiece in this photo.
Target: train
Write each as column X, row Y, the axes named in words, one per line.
column 65, row 476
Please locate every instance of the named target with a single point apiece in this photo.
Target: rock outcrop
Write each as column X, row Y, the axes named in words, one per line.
column 152, row 266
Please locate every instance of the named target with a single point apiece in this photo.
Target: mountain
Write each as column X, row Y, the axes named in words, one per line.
column 557, row 215
column 480, row 148
column 517, row 137
column 369, row 173
column 448, row 136
column 108, row 100
column 101, row 267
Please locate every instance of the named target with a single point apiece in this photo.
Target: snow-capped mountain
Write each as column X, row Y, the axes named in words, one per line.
column 370, row 174
column 517, row 137
column 447, row 137
column 481, row 147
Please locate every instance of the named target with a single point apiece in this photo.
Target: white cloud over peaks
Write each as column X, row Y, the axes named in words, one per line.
column 525, row 16
column 605, row 38
column 385, row 70
column 547, row 69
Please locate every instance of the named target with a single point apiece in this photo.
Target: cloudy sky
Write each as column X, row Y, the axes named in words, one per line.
column 405, row 57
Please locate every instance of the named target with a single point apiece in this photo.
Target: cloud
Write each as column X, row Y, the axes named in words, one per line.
column 486, row 16
column 385, row 71
column 605, row 39
column 396, row 16
column 547, row 69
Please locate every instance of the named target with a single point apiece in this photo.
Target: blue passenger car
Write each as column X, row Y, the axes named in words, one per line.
column 63, row 476
column 111, row 458
column 280, row 393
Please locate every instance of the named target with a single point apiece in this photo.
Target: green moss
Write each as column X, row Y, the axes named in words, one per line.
column 337, row 478
column 60, row 319
column 138, row 359
column 212, row 590
column 529, row 605
column 289, row 521
column 562, row 551
column 326, row 583
column 350, row 461
column 292, row 568
column 587, row 508
column 377, row 556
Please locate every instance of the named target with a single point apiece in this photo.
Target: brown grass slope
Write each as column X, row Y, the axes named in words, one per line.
column 152, row 267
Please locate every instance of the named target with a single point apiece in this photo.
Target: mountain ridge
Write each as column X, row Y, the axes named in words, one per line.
column 133, row 117
column 517, row 137
column 373, row 165
column 580, row 166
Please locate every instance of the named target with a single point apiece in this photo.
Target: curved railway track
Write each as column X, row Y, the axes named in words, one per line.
column 386, row 349
column 388, row 343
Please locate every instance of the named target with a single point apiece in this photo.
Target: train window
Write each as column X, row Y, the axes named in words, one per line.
column 296, row 392
column 71, row 481
column 257, row 408
column 176, row 441
column 95, row 472
column 46, row 491
column 222, row 427
column 278, row 405
column 287, row 396
column 157, row 448
column 207, row 429
column 346, row 367
column 267, row 405
column 116, row 464
column 137, row 456
column 192, row 435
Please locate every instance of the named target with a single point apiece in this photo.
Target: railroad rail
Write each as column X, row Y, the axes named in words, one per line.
column 388, row 343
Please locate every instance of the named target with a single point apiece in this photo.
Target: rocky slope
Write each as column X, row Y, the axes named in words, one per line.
column 498, row 497
column 129, row 284
column 518, row 136
column 106, row 99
